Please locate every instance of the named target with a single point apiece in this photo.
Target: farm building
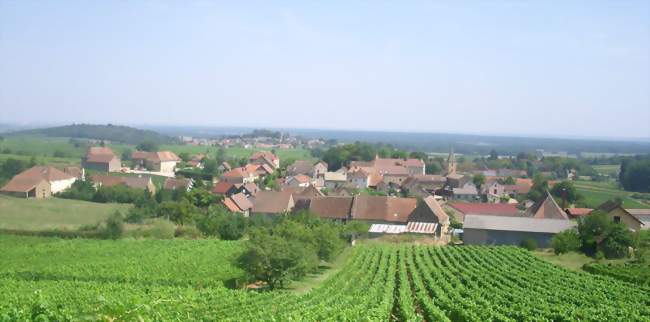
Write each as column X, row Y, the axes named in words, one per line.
column 38, row 182
column 507, row 230
column 161, row 161
column 272, row 203
column 101, row 159
column 618, row 214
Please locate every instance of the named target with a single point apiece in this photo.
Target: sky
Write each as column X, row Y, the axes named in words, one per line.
column 556, row 68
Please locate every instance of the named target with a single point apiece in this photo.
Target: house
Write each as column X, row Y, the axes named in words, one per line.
column 343, row 191
column 467, row 192
column 28, row 183
column 642, row 215
column 38, row 182
column 161, row 161
column 272, row 203
column 224, row 166
column 299, row 167
column 224, row 188
column 574, row 213
column 101, row 159
column 238, row 202
column 456, row 180
column 264, row 157
column 178, row 184
column 430, row 211
column 76, row 172
column 359, row 179
column 546, row 208
column 510, row 230
column 318, row 170
column 381, row 209
column 337, row 208
column 248, row 189
column 618, row 214
column 241, row 175
column 141, row 182
column 462, row 209
column 299, row 180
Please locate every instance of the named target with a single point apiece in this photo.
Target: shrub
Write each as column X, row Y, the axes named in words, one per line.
column 529, row 244
column 190, row 232
column 163, row 229
column 566, row 241
column 114, row 226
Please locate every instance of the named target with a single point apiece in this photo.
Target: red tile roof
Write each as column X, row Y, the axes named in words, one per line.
column 98, row 154
column 576, row 212
column 221, row 187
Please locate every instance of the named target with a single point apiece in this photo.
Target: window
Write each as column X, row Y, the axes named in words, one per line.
column 617, row 219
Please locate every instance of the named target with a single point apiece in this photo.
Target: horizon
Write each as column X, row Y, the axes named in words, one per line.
column 158, row 127
column 520, row 69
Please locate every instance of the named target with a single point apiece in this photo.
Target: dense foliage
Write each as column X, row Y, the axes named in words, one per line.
column 599, row 234
column 291, row 248
column 378, row 283
column 635, row 174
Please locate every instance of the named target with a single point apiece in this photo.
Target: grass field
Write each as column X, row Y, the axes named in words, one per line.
column 595, row 193
column 608, row 169
column 56, row 162
column 52, row 213
column 573, row 261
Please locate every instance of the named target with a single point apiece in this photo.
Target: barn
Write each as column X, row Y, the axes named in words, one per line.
column 502, row 230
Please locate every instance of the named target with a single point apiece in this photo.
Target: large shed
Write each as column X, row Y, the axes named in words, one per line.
column 502, row 230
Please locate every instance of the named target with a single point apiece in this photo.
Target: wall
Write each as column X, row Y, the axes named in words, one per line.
column 60, row 185
column 499, row 237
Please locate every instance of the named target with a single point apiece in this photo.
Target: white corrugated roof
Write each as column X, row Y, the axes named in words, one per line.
column 387, row 229
column 421, row 227
column 510, row 223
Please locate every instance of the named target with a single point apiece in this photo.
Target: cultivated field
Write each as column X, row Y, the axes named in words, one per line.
column 378, row 283
column 596, row 193
column 52, row 213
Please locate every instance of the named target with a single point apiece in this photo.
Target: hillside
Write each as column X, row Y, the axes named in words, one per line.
column 109, row 132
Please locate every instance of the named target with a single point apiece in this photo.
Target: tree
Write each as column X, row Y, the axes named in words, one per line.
column 328, row 241
column 114, row 226
column 178, row 212
column 200, row 197
column 539, row 188
column 355, row 229
column 149, row 146
column 635, row 174
column 566, row 191
column 600, row 234
column 277, row 260
column 222, row 223
column 566, row 241
column 493, row 155
column 126, row 154
column 185, row 156
column 221, row 155
column 478, row 180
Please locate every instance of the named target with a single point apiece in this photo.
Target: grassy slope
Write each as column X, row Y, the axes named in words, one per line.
column 40, row 214
column 573, row 261
column 611, row 169
column 314, row 280
column 595, row 193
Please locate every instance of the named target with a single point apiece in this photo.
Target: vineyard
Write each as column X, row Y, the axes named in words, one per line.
column 638, row 274
column 378, row 283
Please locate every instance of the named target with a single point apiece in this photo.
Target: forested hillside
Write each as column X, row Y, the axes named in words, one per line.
column 109, row 132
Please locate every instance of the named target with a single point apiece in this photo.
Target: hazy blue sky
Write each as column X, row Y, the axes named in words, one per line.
column 559, row 68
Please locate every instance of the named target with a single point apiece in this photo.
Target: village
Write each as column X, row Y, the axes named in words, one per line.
column 393, row 196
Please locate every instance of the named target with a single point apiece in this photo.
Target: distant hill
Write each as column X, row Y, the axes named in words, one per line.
column 109, row 132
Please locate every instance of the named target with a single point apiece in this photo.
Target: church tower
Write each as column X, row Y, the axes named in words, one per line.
column 451, row 163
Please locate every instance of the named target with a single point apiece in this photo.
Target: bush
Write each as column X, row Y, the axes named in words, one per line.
column 529, row 244
column 190, row 232
column 163, row 229
column 566, row 241
column 114, row 226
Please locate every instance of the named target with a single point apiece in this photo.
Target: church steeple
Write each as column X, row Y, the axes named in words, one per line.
column 451, row 162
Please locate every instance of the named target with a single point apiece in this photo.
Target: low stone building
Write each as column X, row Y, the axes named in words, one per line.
column 509, row 230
